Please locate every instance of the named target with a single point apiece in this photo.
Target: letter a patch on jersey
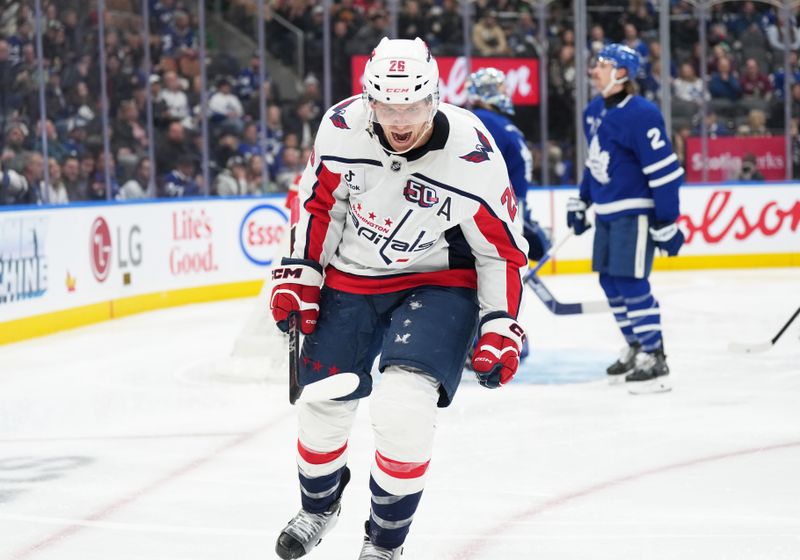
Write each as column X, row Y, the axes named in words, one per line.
column 597, row 161
column 482, row 150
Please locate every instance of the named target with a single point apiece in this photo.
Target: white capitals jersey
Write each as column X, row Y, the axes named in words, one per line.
column 443, row 214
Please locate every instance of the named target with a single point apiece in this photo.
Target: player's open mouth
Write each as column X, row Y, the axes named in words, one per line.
column 401, row 138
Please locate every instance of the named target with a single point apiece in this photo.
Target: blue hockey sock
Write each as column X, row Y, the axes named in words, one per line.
column 617, row 303
column 390, row 516
column 318, row 494
column 643, row 311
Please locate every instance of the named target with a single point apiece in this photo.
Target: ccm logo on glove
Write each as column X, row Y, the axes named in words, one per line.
column 496, row 356
column 296, row 290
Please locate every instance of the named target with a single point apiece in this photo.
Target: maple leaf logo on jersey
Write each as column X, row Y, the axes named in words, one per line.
column 482, row 149
column 337, row 118
column 597, row 161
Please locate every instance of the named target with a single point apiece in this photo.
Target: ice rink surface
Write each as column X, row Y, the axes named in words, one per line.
column 112, row 447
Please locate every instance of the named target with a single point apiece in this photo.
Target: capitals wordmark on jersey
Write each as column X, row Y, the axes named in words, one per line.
column 437, row 220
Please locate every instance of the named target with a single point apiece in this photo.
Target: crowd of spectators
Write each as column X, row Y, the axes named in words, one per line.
column 744, row 87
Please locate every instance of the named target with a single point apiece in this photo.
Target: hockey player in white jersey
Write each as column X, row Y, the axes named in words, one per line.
column 632, row 178
column 410, row 241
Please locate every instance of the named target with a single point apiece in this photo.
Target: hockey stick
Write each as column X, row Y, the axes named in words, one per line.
column 331, row 387
column 295, row 389
column 762, row 346
column 557, row 307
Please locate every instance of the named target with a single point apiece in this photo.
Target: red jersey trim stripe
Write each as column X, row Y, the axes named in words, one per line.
column 319, row 206
column 317, row 458
column 399, row 469
column 495, row 231
column 355, row 284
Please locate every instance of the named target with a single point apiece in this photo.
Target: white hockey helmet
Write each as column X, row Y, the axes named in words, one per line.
column 401, row 72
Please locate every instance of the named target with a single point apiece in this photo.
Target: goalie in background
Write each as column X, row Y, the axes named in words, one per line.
column 488, row 100
column 632, row 178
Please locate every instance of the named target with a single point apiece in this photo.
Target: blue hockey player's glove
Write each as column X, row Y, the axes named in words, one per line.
column 538, row 242
column 668, row 237
column 576, row 215
column 496, row 356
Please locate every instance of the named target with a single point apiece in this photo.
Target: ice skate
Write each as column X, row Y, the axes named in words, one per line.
column 624, row 365
column 651, row 374
column 372, row 552
column 305, row 530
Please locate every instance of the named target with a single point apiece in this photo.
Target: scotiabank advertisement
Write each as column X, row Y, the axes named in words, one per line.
column 522, row 77
column 65, row 257
column 725, row 156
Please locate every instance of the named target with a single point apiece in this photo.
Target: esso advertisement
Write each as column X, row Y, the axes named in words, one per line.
column 192, row 251
column 522, row 77
column 262, row 234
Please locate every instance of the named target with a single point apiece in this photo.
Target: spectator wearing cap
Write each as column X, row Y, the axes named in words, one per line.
column 249, row 78
column 16, row 137
column 56, row 190
column 180, row 182
column 749, row 170
column 225, row 109
column 232, row 181
column 136, row 187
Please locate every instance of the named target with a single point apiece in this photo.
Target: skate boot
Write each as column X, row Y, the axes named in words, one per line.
column 305, row 530
column 624, row 365
column 651, row 374
column 372, row 552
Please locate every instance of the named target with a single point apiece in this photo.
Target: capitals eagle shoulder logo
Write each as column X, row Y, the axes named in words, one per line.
column 481, row 151
column 337, row 118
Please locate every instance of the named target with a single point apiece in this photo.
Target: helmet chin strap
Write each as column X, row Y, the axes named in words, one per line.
column 613, row 82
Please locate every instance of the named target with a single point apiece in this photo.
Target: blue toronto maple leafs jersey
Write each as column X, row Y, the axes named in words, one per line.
column 630, row 167
column 511, row 143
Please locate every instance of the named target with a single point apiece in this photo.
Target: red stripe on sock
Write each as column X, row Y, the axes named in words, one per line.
column 400, row 469
column 317, row 458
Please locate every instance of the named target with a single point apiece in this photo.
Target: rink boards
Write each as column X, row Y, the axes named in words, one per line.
column 62, row 267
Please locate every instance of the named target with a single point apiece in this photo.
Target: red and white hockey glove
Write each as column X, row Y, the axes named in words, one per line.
column 496, row 356
column 296, row 290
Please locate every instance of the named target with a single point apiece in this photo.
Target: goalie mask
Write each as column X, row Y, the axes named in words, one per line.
column 488, row 87
column 401, row 91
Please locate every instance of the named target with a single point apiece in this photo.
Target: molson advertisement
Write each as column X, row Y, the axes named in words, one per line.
column 522, row 77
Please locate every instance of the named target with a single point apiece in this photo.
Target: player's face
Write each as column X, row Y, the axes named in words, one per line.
column 403, row 124
column 601, row 73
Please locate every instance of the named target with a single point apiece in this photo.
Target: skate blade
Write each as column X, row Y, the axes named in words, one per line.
column 657, row 385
